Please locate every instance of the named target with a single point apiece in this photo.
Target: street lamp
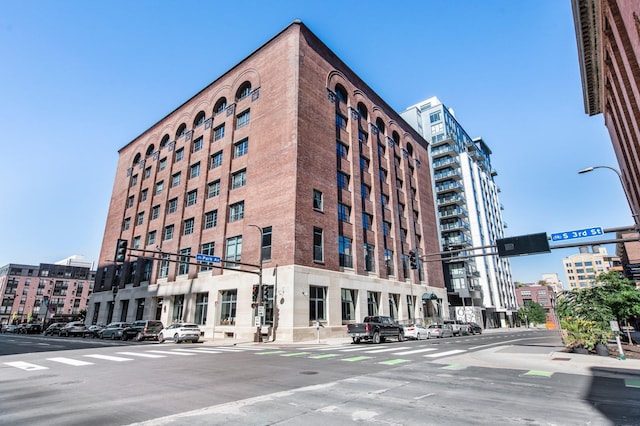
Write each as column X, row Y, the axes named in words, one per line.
column 258, row 337
column 624, row 188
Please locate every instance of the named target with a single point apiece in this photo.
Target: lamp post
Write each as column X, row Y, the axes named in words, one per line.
column 258, row 336
column 624, row 188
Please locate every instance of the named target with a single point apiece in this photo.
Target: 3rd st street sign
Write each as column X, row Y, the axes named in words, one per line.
column 580, row 233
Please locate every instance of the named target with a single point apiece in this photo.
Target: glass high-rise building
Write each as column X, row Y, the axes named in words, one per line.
column 479, row 286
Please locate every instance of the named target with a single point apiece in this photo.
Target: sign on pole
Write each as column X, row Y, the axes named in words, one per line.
column 580, row 233
column 207, row 258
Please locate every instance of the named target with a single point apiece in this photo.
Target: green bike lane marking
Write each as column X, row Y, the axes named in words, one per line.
column 296, row 354
column 394, row 361
column 538, row 373
column 323, row 356
column 632, row 383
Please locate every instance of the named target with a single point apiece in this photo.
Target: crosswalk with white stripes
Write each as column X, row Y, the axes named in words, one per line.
column 343, row 353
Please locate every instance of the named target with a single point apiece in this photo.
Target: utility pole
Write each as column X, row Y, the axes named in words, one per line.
column 261, row 313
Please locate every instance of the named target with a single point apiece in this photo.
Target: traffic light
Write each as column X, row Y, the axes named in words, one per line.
column 266, row 292
column 413, row 259
column 121, row 250
column 254, row 294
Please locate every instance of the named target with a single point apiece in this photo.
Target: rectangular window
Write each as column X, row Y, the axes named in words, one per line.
column 151, row 238
column 162, row 164
column 164, row 266
column 317, row 200
column 369, row 257
column 228, row 307
column 178, row 308
column 159, row 187
column 194, row 170
column 236, row 211
column 179, row 155
column 233, row 251
column 388, row 261
column 318, row 251
column 172, row 206
column 134, row 180
column 183, row 265
column 434, row 116
column 126, row 224
column 241, row 148
column 266, row 243
column 218, row 132
column 348, row 304
column 197, row 145
column 207, row 249
column 343, row 180
column 210, row 219
column 344, row 212
column 155, row 212
column 168, row 232
column 147, row 173
column 238, row 179
column 365, row 191
column 345, row 252
column 143, row 195
column 364, row 164
column 140, row 220
column 130, row 201
column 213, row 189
column 202, row 300
column 341, row 122
column 317, row 301
column 136, row 242
column 216, row 160
column 192, row 197
column 386, row 228
column 175, row 180
column 367, row 221
column 187, row 227
column 242, row 119
column 373, row 303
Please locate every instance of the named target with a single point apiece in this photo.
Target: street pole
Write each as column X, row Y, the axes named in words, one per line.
column 634, row 214
column 258, row 336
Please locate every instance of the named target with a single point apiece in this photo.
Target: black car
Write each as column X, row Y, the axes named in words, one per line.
column 142, row 330
column 474, row 328
column 54, row 328
column 33, row 328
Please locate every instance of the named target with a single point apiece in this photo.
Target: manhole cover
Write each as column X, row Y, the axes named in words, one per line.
column 309, row 373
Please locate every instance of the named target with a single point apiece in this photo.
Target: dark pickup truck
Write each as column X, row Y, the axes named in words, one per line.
column 376, row 329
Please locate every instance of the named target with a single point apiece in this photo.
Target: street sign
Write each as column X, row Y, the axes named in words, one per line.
column 207, row 258
column 260, row 311
column 580, row 233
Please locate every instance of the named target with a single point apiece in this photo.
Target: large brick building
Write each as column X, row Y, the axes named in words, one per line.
column 290, row 157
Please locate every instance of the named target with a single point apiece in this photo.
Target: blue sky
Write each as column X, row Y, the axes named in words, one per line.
column 81, row 79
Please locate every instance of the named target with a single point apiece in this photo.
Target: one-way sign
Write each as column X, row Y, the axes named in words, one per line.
column 207, row 258
column 580, row 233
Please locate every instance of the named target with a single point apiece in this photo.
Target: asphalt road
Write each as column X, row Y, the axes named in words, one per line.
column 408, row 383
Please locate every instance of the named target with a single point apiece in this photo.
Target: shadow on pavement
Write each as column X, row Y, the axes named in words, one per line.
column 615, row 392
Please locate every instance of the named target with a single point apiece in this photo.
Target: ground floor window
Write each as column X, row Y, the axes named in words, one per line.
column 410, row 306
column 139, row 309
column 394, row 300
column 96, row 311
column 202, row 300
column 373, row 302
column 317, row 302
column 228, row 307
column 349, row 297
column 124, row 304
column 178, row 308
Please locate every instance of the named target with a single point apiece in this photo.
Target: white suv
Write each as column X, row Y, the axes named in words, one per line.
column 180, row 332
column 459, row 327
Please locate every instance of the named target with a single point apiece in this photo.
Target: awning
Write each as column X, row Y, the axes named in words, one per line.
column 429, row 296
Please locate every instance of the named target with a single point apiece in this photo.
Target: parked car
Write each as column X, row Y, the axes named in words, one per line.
column 74, row 328
column 439, row 330
column 415, row 331
column 113, row 330
column 474, row 328
column 54, row 328
column 459, row 327
column 93, row 330
column 10, row 328
column 32, row 328
column 375, row 328
column 21, row 328
column 142, row 330
column 180, row 332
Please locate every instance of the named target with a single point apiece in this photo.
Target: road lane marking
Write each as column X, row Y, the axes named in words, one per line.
column 296, row 354
column 269, row 353
column 195, row 351
column 538, row 373
column 361, row 348
column 321, row 356
column 377, row 351
column 144, row 355
column 394, row 361
column 454, row 367
column 415, row 351
column 70, row 361
column 356, row 358
column 26, row 366
column 109, row 358
column 171, row 353
column 447, row 353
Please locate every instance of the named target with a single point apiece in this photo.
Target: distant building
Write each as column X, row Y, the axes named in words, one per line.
column 542, row 294
column 287, row 161
column 33, row 293
column 469, row 215
column 608, row 36
column 553, row 280
column 582, row 269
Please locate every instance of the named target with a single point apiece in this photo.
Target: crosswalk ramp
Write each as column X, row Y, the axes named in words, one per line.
column 382, row 354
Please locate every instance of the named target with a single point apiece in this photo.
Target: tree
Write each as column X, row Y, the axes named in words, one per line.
column 533, row 313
